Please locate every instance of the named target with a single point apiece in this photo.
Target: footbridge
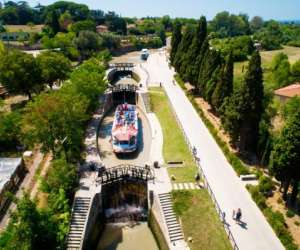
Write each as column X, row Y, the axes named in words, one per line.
column 125, row 172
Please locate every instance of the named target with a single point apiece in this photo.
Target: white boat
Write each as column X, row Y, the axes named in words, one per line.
column 125, row 129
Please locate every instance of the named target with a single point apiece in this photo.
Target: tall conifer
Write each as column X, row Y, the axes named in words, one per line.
column 176, row 39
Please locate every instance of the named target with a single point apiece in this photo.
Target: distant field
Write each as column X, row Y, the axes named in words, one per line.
column 241, row 67
column 24, row 28
column 292, row 52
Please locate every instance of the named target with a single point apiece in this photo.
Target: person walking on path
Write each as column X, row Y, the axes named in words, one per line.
column 238, row 215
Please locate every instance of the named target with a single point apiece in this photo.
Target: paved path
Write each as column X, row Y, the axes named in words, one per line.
column 229, row 191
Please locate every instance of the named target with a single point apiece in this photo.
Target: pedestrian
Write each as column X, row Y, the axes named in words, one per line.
column 239, row 215
column 160, row 84
column 197, row 178
column 233, row 214
column 224, row 217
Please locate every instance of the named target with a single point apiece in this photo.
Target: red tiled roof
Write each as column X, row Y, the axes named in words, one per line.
column 289, row 91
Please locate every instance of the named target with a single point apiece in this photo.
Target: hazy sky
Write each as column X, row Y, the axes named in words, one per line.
column 268, row 9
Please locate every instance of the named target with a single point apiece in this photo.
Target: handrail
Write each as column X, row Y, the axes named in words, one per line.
column 206, row 183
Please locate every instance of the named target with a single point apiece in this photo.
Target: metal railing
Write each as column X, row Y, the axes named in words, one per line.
column 204, row 178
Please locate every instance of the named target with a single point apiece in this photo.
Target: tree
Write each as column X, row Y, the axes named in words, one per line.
column 83, row 25
column 56, row 120
column 281, row 70
column 190, row 68
column 285, row 157
column 61, row 175
column 242, row 112
column 183, row 47
column 162, row 35
column 19, row 73
column 253, row 106
column 29, row 228
column 64, row 41
column 296, row 69
column 52, row 21
column 116, row 23
column 291, row 107
column 224, row 86
column 211, row 60
column 54, row 66
column 88, row 42
column 88, row 80
column 176, row 39
column 10, row 127
column 65, row 20
column 256, row 23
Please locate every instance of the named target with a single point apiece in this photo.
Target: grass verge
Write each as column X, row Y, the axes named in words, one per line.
column 200, row 220
column 174, row 146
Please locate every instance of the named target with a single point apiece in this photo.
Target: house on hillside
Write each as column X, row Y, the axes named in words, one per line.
column 12, row 172
column 288, row 92
column 102, row 29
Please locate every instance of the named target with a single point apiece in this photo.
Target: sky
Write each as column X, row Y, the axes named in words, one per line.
column 268, row 9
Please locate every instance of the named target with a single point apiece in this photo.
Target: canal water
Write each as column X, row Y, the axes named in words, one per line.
column 119, row 236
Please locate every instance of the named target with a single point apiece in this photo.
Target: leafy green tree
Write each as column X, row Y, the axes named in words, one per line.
column 296, row 69
column 116, row 23
column 281, row 70
column 19, row 73
column 190, row 68
column 29, row 228
column 52, row 21
column 61, row 175
column 55, row 67
column 256, row 23
column 63, row 41
column 56, row 120
column 83, row 25
column 88, row 80
column 183, row 47
column 285, row 157
column 10, row 127
column 224, row 86
column 291, row 107
column 226, row 24
column 176, row 39
column 65, row 21
column 88, row 42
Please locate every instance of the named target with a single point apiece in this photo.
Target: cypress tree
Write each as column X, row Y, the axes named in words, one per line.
column 253, row 88
column 183, row 47
column 176, row 39
column 199, row 63
column 209, row 63
column 224, row 86
column 190, row 69
column 242, row 112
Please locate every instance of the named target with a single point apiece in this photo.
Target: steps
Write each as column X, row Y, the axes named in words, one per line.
column 173, row 226
column 78, row 220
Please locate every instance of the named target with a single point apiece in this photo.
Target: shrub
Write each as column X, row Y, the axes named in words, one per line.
column 290, row 213
column 257, row 196
column 297, row 223
column 265, row 185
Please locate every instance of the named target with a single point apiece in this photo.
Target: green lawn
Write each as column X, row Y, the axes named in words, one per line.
column 200, row 220
column 174, row 147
